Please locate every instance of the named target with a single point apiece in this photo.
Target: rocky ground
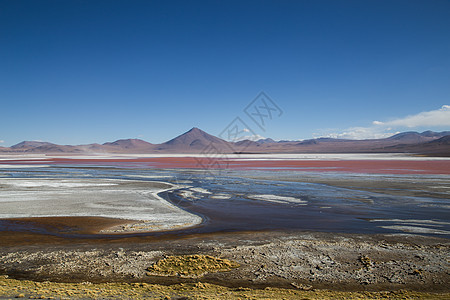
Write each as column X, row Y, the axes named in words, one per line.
column 301, row 262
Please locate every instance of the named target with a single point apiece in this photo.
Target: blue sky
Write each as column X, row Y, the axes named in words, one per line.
column 74, row 72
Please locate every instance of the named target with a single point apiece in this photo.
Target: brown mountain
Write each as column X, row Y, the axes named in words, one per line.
column 437, row 147
column 331, row 145
column 129, row 144
column 42, row 147
column 445, row 140
column 265, row 141
column 194, row 140
column 412, row 137
column 247, row 144
column 25, row 145
column 198, row 141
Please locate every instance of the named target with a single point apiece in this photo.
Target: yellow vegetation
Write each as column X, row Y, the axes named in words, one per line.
column 11, row 288
column 190, row 265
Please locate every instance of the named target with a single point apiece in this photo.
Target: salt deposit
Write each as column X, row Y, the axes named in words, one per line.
column 122, row 199
column 277, row 199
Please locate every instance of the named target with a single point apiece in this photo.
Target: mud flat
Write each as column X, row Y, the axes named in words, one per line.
column 264, row 264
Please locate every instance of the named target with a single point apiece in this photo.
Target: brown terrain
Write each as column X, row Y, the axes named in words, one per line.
column 198, row 141
column 239, row 265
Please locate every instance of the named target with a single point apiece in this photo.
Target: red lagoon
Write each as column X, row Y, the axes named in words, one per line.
column 351, row 166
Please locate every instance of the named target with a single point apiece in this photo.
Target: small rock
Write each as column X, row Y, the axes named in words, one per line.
column 417, row 272
column 303, row 287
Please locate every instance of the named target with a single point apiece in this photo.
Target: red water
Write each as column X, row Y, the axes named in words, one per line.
column 351, row 166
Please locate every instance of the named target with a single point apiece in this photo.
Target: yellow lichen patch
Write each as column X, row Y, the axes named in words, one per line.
column 11, row 288
column 190, row 265
column 366, row 261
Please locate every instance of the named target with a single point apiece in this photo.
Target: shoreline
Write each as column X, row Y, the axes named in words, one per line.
column 275, row 259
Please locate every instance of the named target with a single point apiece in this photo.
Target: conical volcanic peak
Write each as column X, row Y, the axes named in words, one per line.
column 195, row 139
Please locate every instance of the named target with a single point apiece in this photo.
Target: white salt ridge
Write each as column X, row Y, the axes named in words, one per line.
column 414, row 229
column 23, row 156
column 200, row 190
column 38, row 183
column 193, row 193
column 277, row 199
column 444, row 206
column 188, row 195
column 220, row 196
column 431, row 222
column 148, row 176
column 2, row 166
column 415, row 225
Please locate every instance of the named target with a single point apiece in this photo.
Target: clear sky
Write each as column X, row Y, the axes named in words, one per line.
column 83, row 71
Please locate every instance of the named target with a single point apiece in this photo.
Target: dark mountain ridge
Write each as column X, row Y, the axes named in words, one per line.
column 196, row 140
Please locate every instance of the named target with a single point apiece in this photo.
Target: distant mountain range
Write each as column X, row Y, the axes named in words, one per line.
column 198, row 141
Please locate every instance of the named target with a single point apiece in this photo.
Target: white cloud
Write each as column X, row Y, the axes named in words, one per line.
column 434, row 118
column 254, row 137
column 359, row 133
column 2, row 141
column 438, row 117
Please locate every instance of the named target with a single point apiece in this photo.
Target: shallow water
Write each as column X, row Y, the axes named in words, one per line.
column 231, row 200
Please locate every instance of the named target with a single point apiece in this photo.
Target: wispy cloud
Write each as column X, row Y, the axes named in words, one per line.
column 439, row 117
column 2, row 141
column 434, row 118
column 254, row 137
column 359, row 133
